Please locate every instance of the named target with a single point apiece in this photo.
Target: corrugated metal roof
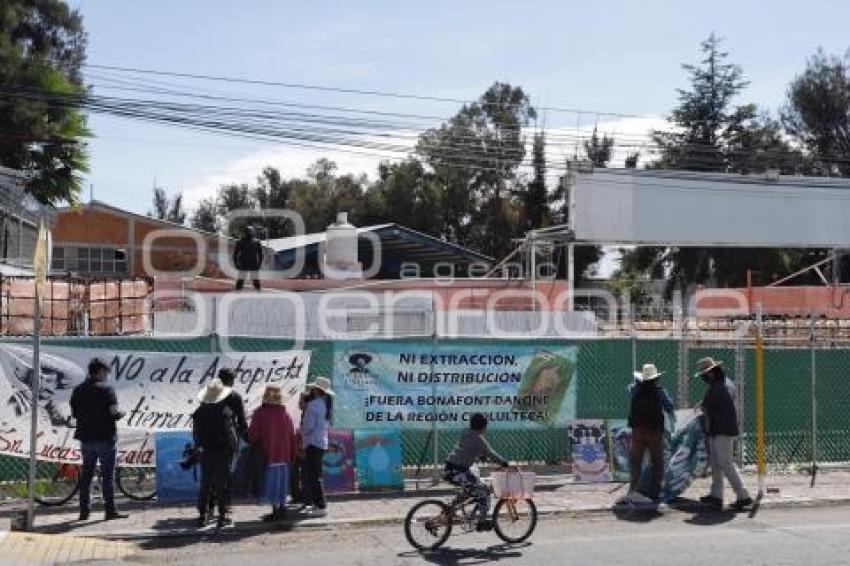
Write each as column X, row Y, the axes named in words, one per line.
column 293, row 242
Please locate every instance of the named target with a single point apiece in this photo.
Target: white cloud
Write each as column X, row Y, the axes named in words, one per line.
column 291, row 161
column 630, row 134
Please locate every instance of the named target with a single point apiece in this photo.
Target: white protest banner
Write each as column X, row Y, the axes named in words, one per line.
column 157, row 390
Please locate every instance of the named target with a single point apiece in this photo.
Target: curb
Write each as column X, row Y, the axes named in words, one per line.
column 252, row 527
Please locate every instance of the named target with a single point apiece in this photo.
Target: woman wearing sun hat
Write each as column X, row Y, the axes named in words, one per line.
column 646, row 418
column 271, row 427
column 721, row 418
column 314, row 439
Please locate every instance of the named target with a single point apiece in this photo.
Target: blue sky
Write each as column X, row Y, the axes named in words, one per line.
column 615, row 56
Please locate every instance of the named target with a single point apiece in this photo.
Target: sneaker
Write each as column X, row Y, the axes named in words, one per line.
column 202, row 521
column 223, row 523
column 318, row 512
column 84, row 515
column 305, row 509
column 112, row 515
column 742, row 504
column 711, row 501
column 484, row 525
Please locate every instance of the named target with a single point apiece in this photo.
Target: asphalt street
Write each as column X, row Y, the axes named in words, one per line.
column 814, row 536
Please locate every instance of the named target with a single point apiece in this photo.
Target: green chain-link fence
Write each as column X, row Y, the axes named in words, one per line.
column 603, row 371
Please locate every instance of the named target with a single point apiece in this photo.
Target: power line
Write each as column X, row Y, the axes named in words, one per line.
column 354, row 133
column 342, row 90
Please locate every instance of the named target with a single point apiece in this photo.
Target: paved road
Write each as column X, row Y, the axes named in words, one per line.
column 811, row 536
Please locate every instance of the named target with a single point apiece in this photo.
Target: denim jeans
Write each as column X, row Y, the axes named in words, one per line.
column 472, row 487
column 94, row 451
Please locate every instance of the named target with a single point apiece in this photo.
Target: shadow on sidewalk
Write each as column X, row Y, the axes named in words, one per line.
column 67, row 527
column 634, row 514
column 448, row 555
column 184, row 532
column 702, row 515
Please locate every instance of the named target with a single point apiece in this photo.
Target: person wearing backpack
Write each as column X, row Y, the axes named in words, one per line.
column 216, row 439
column 649, row 402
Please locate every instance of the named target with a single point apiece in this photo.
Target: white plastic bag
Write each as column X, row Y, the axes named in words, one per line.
column 513, row 485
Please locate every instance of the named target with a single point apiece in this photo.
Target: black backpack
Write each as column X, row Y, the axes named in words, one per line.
column 646, row 411
column 215, row 427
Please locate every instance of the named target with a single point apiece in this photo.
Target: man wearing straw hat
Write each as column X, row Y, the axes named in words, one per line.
column 215, row 435
column 646, row 418
column 721, row 429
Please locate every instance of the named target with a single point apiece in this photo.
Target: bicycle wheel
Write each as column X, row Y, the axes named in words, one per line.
column 136, row 482
column 428, row 524
column 56, row 484
column 514, row 520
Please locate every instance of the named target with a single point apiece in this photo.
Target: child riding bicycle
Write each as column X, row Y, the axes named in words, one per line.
column 472, row 447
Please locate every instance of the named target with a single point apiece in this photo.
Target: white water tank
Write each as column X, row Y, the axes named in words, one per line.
column 340, row 260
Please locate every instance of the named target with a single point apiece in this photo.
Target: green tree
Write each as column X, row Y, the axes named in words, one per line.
column 42, row 50
column 817, row 112
column 712, row 134
column 236, row 206
column 475, row 156
column 598, row 150
column 704, row 112
column 323, row 194
column 407, row 194
column 170, row 209
column 205, row 216
column 273, row 194
column 534, row 196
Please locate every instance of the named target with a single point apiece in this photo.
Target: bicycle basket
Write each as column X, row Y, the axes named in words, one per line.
column 513, row 485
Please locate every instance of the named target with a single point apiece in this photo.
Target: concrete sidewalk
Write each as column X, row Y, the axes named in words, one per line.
column 150, row 520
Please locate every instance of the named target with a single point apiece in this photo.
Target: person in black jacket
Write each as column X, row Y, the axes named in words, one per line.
column 94, row 406
column 646, row 418
column 721, row 418
column 237, row 407
column 248, row 258
column 216, row 439
column 235, row 402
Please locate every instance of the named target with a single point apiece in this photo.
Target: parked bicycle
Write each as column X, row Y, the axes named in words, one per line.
column 57, row 483
column 429, row 523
